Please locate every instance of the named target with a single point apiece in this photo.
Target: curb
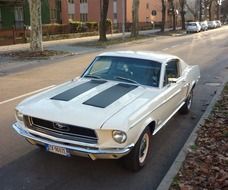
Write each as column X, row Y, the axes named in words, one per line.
column 175, row 167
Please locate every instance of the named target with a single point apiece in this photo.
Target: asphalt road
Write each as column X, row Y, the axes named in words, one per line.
column 23, row 166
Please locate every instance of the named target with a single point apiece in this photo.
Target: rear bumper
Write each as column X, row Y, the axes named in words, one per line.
column 192, row 30
column 84, row 151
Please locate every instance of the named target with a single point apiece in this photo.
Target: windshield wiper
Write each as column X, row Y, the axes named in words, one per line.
column 93, row 76
column 127, row 80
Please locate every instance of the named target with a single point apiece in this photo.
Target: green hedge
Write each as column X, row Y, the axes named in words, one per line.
column 78, row 26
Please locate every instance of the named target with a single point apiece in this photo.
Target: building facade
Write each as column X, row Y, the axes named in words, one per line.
column 15, row 13
column 89, row 10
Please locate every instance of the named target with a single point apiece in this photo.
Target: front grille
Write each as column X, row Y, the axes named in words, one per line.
column 60, row 130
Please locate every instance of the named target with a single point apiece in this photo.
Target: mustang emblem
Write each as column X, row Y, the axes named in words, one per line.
column 61, row 127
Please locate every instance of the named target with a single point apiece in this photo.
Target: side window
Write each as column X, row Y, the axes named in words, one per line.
column 171, row 71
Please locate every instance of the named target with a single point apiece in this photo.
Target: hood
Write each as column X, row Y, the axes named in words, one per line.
column 85, row 103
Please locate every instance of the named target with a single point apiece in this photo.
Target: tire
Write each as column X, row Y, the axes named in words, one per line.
column 138, row 156
column 188, row 103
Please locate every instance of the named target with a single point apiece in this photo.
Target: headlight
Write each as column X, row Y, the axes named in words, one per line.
column 119, row 136
column 19, row 115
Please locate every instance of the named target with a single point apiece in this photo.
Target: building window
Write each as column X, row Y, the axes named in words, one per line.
column 115, row 11
column 114, row 6
column 83, row 17
column 84, row 10
column 53, row 15
column 147, row 6
column 19, row 18
column 71, row 9
column 83, row 1
column 115, row 16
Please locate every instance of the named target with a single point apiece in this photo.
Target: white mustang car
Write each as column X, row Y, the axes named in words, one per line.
column 113, row 109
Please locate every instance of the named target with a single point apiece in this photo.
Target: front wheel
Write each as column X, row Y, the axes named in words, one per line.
column 138, row 156
column 188, row 104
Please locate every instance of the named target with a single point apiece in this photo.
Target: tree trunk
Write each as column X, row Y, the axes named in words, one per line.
column 36, row 25
column 163, row 15
column 218, row 10
column 174, row 15
column 135, row 18
column 200, row 16
column 183, row 20
column 182, row 12
column 210, row 13
column 103, row 18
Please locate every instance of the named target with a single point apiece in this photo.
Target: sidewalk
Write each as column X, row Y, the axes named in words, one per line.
column 70, row 45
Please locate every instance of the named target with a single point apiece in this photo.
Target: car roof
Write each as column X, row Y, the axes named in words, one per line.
column 148, row 55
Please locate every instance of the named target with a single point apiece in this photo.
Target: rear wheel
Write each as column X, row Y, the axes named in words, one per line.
column 138, row 156
column 188, row 104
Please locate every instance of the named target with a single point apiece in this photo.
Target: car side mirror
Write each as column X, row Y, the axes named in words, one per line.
column 172, row 80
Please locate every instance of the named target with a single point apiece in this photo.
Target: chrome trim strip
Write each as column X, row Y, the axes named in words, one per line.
column 86, row 150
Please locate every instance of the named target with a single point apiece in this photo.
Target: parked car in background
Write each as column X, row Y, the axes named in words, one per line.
column 218, row 23
column 211, row 24
column 193, row 27
column 113, row 109
column 204, row 25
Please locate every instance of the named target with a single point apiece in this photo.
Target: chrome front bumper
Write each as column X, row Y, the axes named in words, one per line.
column 84, row 151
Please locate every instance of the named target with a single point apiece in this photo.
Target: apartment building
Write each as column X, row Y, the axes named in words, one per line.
column 89, row 10
column 15, row 13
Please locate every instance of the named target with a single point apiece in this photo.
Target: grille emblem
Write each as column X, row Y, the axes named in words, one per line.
column 61, row 127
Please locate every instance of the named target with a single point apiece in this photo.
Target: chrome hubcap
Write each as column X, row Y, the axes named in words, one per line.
column 143, row 149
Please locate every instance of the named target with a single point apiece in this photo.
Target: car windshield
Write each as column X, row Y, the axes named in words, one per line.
column 131, row 70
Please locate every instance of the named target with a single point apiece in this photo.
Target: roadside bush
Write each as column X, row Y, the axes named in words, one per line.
column 78, row 26
column 109, row 25
column 50, row 29
column 92, row 26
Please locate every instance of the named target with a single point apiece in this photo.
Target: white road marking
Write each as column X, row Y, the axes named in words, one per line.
column 27, row 94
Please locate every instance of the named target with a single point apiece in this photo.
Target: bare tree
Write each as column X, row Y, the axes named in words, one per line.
column 219, row 4
column 224, row 10
column 182, row 13
column 163, row 15
column 192, row 11
column 103, row 19
column 173, row 14
column 208, row 8
column 135, row 18
column 36, row 25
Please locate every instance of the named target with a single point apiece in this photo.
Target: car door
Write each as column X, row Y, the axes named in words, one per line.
column 174, row 86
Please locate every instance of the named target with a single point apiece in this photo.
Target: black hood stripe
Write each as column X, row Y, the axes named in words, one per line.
column 77, row 90
column 110, row 95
